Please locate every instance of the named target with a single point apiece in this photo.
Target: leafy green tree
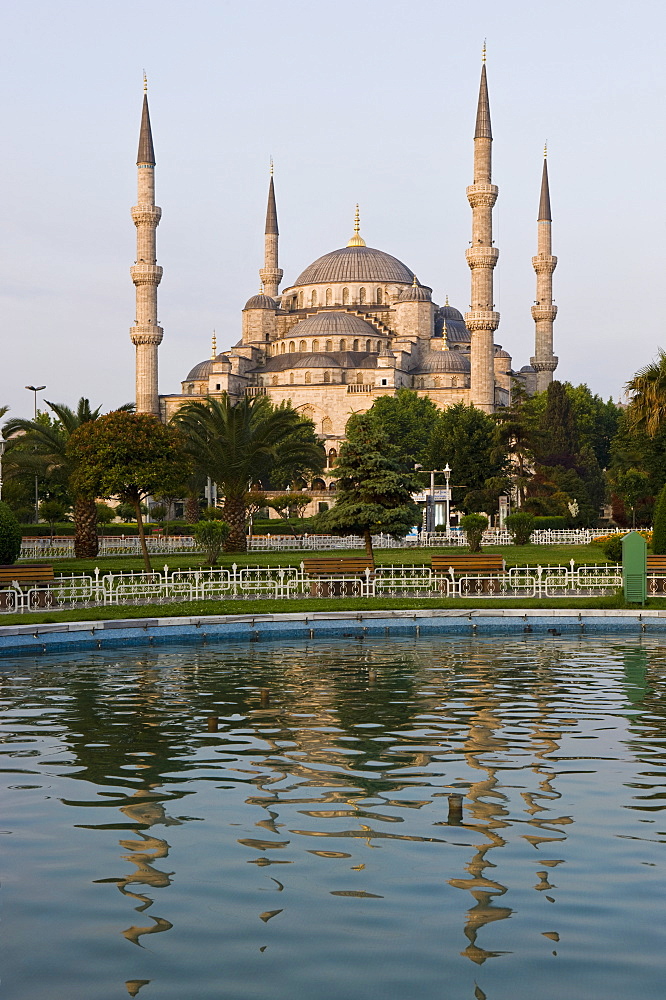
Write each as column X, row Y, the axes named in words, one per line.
column 474, row 526
column 40, row 446
column 130, row 456
column 659, row 527
column 241, row 444
column 468, row 440
column 374, row 493
column 105, row 513
column 52, row 511
column 211, row 536
column 520, row 526
column 409, row 420
column 10, row 536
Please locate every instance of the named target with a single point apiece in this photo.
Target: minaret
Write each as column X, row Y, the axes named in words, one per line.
column 146, row 274
column 543, row 311
column 271, row 274
column 482, row 256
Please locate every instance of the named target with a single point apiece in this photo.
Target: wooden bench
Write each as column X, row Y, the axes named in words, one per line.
column 333, row 571
column 469, row 564
column 25, row 573
column 656, row 565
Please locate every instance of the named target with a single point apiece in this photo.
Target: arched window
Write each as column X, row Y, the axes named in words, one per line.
column 379, row 296
column 292, row 347
column 282, row 348
column 318, row 484
column 326, row 425
column 291, row 378
column 329, row 345
column 329, row 296
column 332, row 486
column 454, row 381
column 438, row 381
column 315, row 345
column 327, row 376
column 368, row 346
column 308, row 378
column 313, row 297
column 343, row 345
column 345, row 296
column 359, row 378
column 355, row 346
column 379, row 346
column 274, row 380
column 300, row 300
column 332, row 455
column 302, row 347
column 190, row 390
column 361, row 296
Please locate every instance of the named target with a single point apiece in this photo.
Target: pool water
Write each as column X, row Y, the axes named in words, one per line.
column 302, row 850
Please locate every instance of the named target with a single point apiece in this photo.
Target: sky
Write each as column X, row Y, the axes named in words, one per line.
column 355, row 101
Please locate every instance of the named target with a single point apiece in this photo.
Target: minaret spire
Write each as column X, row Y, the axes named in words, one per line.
column 271, row 273
column 482, row 320
column 544, row 311
column 146, row 335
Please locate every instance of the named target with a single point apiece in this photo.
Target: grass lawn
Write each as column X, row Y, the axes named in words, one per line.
column 515, row 555
column 266, row 606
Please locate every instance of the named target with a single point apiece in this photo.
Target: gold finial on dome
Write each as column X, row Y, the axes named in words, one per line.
column 545, row 150
column 357, row 240
column 213, row 347
column 483, row 54
column 271, row 166
column 145, row 82
column 415, row 283
column 447, row 301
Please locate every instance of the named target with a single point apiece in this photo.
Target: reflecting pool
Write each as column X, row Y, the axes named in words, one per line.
column 272, row 820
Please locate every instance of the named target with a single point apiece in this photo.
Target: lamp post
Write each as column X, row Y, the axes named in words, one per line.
column 2, row 451
column 447, row 497
column 430, row 518
column 36, row 389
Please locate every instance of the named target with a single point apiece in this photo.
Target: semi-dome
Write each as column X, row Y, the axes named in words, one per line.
column 443, row 361
column 261, row 301
column 450, row 314
column 202, row 370
column 356, row 263
column 333, row 323
column 415, row 293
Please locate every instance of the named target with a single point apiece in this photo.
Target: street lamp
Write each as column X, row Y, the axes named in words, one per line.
column 2, row 451
column 447, row 497
column 430, row 508
column 36, row 389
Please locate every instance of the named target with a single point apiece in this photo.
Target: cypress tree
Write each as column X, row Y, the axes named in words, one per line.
column 659, row 525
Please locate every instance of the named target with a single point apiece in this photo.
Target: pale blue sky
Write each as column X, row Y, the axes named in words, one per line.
column 356, row 101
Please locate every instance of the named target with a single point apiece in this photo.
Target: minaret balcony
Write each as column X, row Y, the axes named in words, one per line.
column 482, row 195
column 481, row 256
column 544, row 313
column 145, row 334
column 146, row 274
column 481, row 319
column 544, row 264
column 146, row 215
column 544, row 364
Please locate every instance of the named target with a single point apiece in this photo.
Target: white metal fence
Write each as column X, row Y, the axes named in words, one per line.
column 285, row 582
column 62, row 547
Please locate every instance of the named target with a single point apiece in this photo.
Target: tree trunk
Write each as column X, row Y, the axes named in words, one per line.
column 142, row 535
column 86, row 543
column 234, row 515
column 367, row 538
column 192, row 510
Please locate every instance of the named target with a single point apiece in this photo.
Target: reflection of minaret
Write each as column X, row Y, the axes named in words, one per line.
column 544, row 311
column 482, row 256
column 146, row 335
column 271, row 273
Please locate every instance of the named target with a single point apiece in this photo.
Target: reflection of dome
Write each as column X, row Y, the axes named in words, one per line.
column 443, row 361
column 415, row 293
column 328, row 323
column 356, row 264
column 261, row 301
column 202, row 370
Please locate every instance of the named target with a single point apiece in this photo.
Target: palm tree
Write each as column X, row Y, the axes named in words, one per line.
column 647, row 406
column 37, row 446
column 238, row 444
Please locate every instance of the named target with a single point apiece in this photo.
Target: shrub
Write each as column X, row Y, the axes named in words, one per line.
column 520, row 526
column 211, row 536
column 474, row 526
column 105, row 513
column 212, row 514
column 553, row 523
column 10, row 536
column 659, row 525
column 612, row 548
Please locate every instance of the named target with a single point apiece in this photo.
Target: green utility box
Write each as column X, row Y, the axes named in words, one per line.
column 634, row 568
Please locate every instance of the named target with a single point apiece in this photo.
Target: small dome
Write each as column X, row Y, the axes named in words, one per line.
column 260, row 301
column 356, row 263
column 443, row 361
column 528, row 370
column 415, row 293
column 202, row 370
column 330, row 323
column 501, row 353
column 448, row 313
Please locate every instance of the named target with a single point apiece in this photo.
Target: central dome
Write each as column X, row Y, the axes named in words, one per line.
column 356, row 264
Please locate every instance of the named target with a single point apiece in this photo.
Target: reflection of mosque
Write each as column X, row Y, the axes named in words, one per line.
column 343, row 748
